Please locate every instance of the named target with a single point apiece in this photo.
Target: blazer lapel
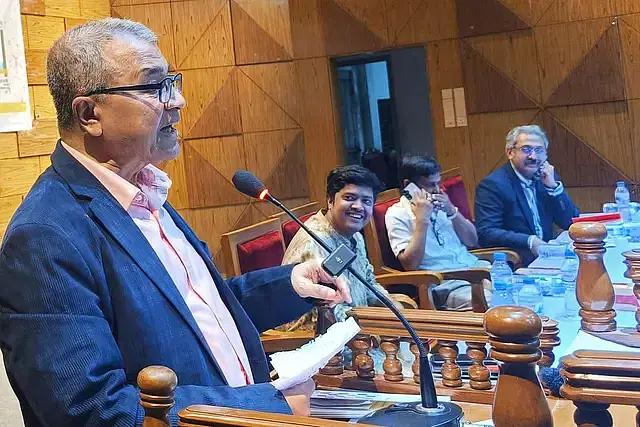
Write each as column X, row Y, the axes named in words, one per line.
column 117, row 223
column 522, row 199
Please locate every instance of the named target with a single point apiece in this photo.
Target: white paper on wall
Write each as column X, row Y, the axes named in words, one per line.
column 447, row 106
column 15, row 112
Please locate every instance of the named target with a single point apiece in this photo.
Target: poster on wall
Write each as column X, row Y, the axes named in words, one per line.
column 15, row 112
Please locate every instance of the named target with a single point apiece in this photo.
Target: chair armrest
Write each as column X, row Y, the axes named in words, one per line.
column 487, row 254
column 405, row 300
column 274, row 341
column 423, row 280
column 471, row 275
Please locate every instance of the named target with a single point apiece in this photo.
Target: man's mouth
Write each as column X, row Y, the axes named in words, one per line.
column 355, row 216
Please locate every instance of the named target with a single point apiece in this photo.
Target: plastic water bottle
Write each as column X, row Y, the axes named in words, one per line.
column 501, row 277
column 569, row 274
column 622, row 200
column 530, row 296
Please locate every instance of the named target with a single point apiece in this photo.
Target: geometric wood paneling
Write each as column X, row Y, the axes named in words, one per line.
column 591, row 199
column 202, row 34
column 278, row 81
column 290, row 168
column 178, row 192
column 430, row 21
column 212, row 108
column 599, row 77
column 399, row 12
column 371, row 13
column 562, row 47
column 563, row 11
column 572, row 158
column 487, row 134
column 345, row 34
column 621, row 7
column 634, row 118
column 529, row 11
column 486, row 89
column 43, row 103
column 209, row 165
column 158, row 18
column 32, row 7
column 477, row 17
column 514, row 54
column 211, row 223
column 259, row 111
column 64, row 8
column 262, row 31
column 36, row 66
column 630, row 41
column 605, row 127
column 42, row 31
column 318, row 122
column 263, row 151
column 307, row 31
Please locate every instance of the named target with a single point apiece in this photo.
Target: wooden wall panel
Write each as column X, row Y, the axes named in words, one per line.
column 430, row 21
column 202, row 34
column 210, row 223
column 40, row 140
column 307, row 30
column 557, row 59
column 477, row 17
column 18, row 175
column 634, row 119
column 36, row 66
column 563, row 11
column 591, row 199
column 630, row 41
column 605, row 127
column 8, row 145
column 371, row 13
column 529, row 11
column 399, row 13
column 344, row 34
column 8, row 206
column 515, row 55
column 42, row 31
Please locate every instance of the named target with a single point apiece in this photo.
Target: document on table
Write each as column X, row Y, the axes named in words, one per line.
column 297, row 366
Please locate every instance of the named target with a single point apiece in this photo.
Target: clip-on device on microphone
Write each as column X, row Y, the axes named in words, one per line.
column 427, row 413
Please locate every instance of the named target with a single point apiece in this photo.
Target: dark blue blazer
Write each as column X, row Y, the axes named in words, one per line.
column 503, row 216
column 85, row 304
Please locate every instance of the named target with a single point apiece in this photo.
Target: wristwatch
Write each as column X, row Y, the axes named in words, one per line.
column 454, row 214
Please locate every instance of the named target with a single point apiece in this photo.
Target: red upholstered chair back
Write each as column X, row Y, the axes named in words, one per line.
column 375, row 233
column 290, row 228
column 454, row 187
column 253, row 248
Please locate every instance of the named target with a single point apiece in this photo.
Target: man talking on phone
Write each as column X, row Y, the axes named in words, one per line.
column 427, row 232
column 517, row 205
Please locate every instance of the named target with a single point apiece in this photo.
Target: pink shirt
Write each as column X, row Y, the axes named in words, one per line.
column 186, row 268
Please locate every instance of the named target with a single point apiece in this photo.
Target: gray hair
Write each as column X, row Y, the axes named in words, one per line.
column 512, row 136
column 75, row 64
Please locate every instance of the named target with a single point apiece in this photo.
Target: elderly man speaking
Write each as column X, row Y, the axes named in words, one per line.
column 99, row 275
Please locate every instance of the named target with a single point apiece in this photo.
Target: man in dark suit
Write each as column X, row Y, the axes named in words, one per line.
column 517, row 205
column 100, row 277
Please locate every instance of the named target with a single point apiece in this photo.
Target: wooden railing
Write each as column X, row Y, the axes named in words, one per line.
column 448, row 330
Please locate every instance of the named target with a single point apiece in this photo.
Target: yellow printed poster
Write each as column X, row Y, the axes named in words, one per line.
column 15, row 112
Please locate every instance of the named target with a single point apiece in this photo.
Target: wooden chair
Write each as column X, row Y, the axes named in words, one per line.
column 289, row 226
column 384, row 260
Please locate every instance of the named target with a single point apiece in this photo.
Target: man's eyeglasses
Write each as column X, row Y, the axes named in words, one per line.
column 167, row 88
column 528, row 150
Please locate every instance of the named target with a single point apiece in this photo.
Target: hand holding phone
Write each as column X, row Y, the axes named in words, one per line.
column 421, row 203
column 547, row 175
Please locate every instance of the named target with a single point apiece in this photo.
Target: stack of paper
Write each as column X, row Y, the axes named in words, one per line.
column 297, row 366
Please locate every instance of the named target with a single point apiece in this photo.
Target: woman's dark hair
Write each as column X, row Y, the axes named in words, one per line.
column 413, row 167
column 354, row 174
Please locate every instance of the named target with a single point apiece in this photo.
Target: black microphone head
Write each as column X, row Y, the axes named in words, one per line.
column 247, row 183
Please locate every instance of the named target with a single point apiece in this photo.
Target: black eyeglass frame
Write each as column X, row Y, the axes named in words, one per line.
column 173, row 82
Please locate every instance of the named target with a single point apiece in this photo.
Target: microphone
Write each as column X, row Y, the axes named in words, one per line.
column 427, row 413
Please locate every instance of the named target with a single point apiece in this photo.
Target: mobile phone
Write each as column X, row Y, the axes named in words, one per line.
column 537, row 176
column 411, row 191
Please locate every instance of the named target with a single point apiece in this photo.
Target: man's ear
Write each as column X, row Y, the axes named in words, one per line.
column 509, row 153
column 87, row 113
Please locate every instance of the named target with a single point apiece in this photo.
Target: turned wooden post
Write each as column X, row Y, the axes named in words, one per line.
column 335, row 366
column 594, row 289
column 157, row 385
column 549, row 339
column 478, row 373
column 415, row 367
column 633, row 272
column 589, row 414
column 362, row 361
column 392, row 366
column 513, row 336
column 451, row 372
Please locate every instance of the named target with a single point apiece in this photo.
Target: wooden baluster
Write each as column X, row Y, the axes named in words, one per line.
column 633, row 272
column 415, row 367
column 549, row 338
column 589, row 414
column 451, row 372
column 362, row 361
column 157, row 386
column 478, row 373
column 594, row 289
column 335, row 366
column 392, row 366
column 513, row 336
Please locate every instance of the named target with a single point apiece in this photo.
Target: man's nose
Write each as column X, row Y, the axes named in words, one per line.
column 177, row 101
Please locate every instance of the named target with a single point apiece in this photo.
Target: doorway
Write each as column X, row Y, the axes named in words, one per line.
column 385, row 109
